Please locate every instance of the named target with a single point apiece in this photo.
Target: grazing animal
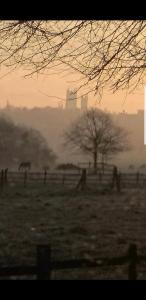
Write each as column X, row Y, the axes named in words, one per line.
column 25, row 166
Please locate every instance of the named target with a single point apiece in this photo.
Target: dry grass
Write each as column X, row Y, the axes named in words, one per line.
column 77, row 225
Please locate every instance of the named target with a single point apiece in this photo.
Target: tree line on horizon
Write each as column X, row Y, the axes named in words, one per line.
column 19, row 143
column 93, row 134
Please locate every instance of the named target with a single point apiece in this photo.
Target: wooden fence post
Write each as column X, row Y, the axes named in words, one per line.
column 83, row 180
column 45, row 176
column 6, row 176
column 43, row 262
column 116, row 179
column 2, row 180
column 132, row 255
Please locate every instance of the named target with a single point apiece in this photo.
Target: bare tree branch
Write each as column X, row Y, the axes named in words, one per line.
column 106, row 53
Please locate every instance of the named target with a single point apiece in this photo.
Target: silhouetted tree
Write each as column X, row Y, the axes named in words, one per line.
column 95, row 134
column 18, row 144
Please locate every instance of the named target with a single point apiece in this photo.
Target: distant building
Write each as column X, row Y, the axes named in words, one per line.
column 71, row 99
column 84, row 102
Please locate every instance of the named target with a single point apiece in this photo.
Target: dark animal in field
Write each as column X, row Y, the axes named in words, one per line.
column 67, row 166
column 25, row 166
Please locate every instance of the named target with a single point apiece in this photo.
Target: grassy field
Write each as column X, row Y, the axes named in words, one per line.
column 76, row 224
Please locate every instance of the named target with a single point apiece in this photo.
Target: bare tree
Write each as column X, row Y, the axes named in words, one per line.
column 95, row 134
column 110, row 53
column 115, row 140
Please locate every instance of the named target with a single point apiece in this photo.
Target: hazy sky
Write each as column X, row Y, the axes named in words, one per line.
column 20, row 91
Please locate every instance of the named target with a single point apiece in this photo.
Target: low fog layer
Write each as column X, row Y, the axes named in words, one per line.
column 52, row 122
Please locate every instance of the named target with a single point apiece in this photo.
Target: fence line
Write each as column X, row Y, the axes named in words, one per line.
column 123, row 180
column 44, row 265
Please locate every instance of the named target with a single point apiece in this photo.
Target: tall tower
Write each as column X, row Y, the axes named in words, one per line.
column 71, row 99
column 84, row 102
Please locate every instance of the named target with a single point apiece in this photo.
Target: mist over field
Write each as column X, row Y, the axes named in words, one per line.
column 52, row 122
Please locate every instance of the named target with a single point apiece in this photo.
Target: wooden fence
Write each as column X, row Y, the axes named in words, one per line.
column 71, row 179
column 44, row 265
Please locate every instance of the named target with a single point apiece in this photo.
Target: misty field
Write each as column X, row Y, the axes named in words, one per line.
column 76, row 225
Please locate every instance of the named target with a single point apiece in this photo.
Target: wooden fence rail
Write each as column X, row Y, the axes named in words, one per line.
column 44, row 265
column 67, row 179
